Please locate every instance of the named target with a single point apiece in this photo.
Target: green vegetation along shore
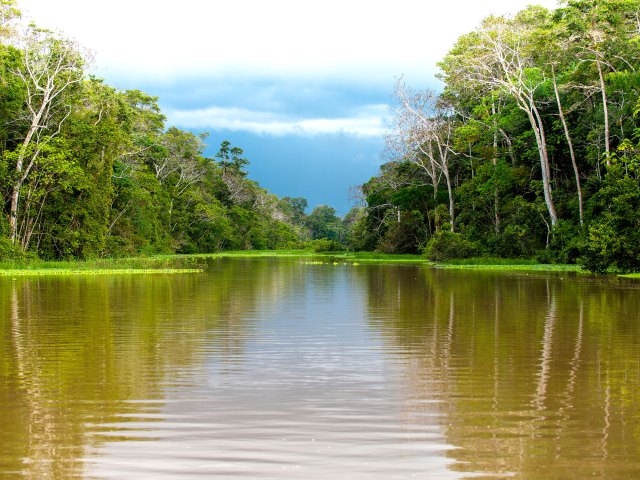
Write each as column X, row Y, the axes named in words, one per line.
column 531, row 150
column 71, row 271
column 193, row 263
column 339, row 255
column 164, row 264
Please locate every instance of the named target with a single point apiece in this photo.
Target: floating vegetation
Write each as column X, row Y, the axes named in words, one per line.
column 102, row 266
column 320, row 262
column 118, row 271
column 347, row 258
column 630, row 275
column 540, row 267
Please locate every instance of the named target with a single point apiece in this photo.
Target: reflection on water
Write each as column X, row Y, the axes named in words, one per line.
column 283, row 369
column 538, row 376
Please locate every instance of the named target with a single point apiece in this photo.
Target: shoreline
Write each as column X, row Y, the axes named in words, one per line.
column 188, row 263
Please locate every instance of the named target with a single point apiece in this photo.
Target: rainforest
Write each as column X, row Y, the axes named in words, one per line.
column 530, row 150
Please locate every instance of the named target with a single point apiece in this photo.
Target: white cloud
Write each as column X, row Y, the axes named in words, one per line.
column 163, row 45
column 370, row 121
column 343, row 38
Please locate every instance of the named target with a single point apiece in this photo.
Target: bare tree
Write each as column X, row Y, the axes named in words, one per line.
column 181, row 156
column 423, row 135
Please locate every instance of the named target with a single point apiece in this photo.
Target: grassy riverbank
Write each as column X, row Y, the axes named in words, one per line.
column 481, row 263
column 192, row 263
column 336, row 256
column 507, row 264
column 105, row 266
column 630, row 275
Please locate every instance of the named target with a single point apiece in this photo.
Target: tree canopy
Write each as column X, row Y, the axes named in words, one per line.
column 87, row 170
column 541, row 147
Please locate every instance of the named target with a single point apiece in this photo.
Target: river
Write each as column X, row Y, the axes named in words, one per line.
column 291, row 368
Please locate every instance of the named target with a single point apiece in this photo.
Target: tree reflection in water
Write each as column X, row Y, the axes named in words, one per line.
column 538, row 375
column 84, row 359
column 531, row 375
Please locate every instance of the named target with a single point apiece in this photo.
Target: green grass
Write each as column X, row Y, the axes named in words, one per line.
column 492, row 261
column 507, row 264
column 629, row 275
column 120, row 271
column 481, row 263
column 329, row 256
column 191, row 263
column 255, row 253
column 107, row 266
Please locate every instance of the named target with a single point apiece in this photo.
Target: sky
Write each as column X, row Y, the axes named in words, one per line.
column 303, row 86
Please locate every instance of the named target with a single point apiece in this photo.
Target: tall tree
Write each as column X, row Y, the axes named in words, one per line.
column 567, row 135
column 76, row 218
column 53, row 65
column 499, row 57
column 407, row 138
column 600, row 34
column 324, row 223
column 554, row 54
column 422, row 134
column 232, row 162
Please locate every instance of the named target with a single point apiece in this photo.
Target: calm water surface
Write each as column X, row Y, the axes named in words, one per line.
column 280, row 368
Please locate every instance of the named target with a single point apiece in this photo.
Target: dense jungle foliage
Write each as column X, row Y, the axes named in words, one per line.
column 88, row 171
column 531, row 150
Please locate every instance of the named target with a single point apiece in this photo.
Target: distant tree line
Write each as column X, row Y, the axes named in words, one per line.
column 531, row 150
column 87, row 170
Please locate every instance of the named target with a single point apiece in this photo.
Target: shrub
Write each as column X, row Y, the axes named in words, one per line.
column 565, row 245
column 326, row 245
column 445, row 245
column 404, row 236
column 513, row 241
column 612, row 239
column 7, row 250
column 606, row 248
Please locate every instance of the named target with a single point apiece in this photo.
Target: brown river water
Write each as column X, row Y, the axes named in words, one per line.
column 285, row 368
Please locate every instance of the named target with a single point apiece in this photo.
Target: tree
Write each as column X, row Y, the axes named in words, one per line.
column 499, row 57
column 554, row 55
column 12, row 95
column 423, row 134
column 294, row 209
column 233, row 175
column 230, row 158
column 76, row 218
column 324, row 223
column 599, row 33
column 567, row 135
column 9, row 13
column 179, row 165
column 52, row 66
column 612, row 239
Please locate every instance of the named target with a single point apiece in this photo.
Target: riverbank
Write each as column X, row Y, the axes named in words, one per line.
column 481, row 263
column 191, row 263
column 508, row 264
column 329, row 256
column 106, row 266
